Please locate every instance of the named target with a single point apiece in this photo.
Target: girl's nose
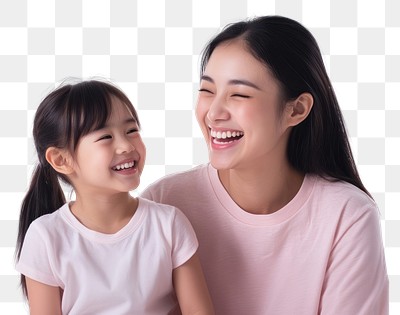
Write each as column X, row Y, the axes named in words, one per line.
column 124, row 146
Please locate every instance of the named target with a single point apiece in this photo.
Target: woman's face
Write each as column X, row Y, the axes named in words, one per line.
column 238, row 110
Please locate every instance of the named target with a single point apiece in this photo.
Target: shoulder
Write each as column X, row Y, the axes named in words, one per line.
column 156, row 211
column 166, row 220
column 340, row 192
column 177, row 181
column 150, row 207
column 40, row 250
column 182, row 177
column 48, row 224
column 343, row 201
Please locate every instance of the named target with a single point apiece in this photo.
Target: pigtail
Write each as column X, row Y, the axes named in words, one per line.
column 44, row 196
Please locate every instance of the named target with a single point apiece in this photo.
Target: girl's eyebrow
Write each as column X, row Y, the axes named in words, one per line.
column 232, row 82
column 130, row 120
column 127, row 121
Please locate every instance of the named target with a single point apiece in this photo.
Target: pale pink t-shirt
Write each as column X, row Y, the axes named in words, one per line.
column 129, row 272
column 320, row 254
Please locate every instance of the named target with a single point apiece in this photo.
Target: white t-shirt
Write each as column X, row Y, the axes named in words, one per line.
column 322, row 253
column 129, row 272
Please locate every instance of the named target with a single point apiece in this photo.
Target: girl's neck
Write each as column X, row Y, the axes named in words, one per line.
column 262, row 190
column 103, row 214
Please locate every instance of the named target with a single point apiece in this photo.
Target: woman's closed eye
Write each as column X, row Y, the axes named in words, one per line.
column 240, row 95
column 205, row 90
column 233, row 95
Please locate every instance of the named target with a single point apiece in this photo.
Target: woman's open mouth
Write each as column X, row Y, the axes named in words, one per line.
column 226, row 136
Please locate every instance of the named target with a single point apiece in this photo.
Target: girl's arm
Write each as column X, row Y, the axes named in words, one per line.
column 191, row 289
column 43, row 299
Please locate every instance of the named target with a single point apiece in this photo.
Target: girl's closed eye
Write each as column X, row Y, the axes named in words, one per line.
column 132, row 130
column 104, row 137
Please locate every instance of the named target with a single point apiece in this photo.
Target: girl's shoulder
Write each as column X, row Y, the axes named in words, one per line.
column 158, row 211
column 50, row 223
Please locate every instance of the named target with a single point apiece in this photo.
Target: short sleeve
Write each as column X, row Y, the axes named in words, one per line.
column 356, row 279
column 184, row 240
column 35, row 261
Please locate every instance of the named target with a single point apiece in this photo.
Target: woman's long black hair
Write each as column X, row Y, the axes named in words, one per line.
column 61, row 120
column 319, row 144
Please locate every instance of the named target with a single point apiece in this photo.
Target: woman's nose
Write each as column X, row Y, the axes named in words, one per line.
column 218, row 110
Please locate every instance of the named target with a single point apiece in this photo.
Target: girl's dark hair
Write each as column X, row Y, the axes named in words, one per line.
column 66, row 115
column 319, row 144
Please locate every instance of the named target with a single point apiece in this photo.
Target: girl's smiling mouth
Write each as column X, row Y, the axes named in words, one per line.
column 124, row 166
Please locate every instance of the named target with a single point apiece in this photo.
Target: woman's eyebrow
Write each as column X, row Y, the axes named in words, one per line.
column 206, row 78
column 233, row 82
column 244, row 82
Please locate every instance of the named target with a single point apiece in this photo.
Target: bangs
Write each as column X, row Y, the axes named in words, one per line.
column 89, row 106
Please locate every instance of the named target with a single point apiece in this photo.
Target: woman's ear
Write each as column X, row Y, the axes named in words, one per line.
column 60, row 160
column 299, row 109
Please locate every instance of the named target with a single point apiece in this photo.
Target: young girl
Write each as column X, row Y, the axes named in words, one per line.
column 284, row 223
column 106, row 252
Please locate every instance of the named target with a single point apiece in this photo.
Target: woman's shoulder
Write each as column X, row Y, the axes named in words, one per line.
column 334, row 193
column 340, row 188
column 181, row 179
column 189, row 174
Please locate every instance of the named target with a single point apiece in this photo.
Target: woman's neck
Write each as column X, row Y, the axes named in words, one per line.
column 262, row 190
column 105, row 214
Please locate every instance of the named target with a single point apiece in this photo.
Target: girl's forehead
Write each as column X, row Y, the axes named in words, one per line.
column 120, row 111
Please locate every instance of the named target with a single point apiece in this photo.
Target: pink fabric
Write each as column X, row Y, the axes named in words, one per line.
column 129, row 272
column 320, row 254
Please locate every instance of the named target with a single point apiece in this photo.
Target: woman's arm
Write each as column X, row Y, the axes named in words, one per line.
column 43, row 299
column 191, row 289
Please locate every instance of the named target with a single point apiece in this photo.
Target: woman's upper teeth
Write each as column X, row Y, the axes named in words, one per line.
column 124, row 166
column 226, row 134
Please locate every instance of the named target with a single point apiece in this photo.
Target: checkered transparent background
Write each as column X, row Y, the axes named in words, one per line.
column 151, row 48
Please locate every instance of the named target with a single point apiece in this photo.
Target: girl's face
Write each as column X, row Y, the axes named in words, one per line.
column 110, row 159
column 238, row 110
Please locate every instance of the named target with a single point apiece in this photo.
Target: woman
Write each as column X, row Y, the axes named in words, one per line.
column 284, row 223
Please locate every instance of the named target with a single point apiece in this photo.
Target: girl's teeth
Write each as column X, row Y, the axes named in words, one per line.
column 124, row 166
column 226, row 134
